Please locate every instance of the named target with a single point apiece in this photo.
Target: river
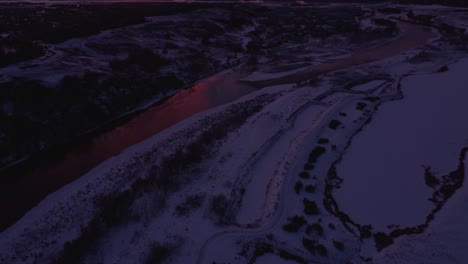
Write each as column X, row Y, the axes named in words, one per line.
column 22, row 194
column 17, row 196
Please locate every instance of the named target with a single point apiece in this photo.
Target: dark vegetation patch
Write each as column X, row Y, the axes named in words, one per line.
column 334, row 124
column 421, row 57
column 289, row 256
column 358, row 81
column 323, row 140
column 191, row 202
column 162, row 180
column 316, row 153
column 57, row 115
column 310, row 207
column 261, row 249
column 143, row 59
column 371, row 99
column 361, row 106
column 382, row 240
column 45, row 116
column 304, row 175
column 349, row 80
column 424, row 19
column 294, row 224
column 298, row 186
column 429, row 178
column 218, row 206
column 254, row 249
column 159, row 253
column 443, row 69
column 296, row 25
column 314, row 230
column 314, row 247
column 338, row 245
column 28, row 26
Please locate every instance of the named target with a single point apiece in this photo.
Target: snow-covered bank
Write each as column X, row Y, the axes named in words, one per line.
column 61, row 217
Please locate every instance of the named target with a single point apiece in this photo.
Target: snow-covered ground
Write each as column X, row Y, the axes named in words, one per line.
column 234, row 205
column 387, row 160
column 444, row 242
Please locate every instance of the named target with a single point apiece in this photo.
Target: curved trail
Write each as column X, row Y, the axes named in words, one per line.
column 274, row 210
column 412, row 36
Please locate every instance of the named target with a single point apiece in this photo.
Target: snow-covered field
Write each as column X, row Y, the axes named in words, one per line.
column 295, row 182
column 444, row 242
column 387, row 160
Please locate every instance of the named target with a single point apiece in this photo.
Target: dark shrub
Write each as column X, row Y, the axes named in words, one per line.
column 288, row 256
column 321, row 250
column 304, row 175
column 310, row 207
column 338, row 245
column 314, row 229
column 323, row 141
column 366, row 231
column 443, row 69
column 309, row 244
column 191, row 202
column 261, row 249
column 372, row 99
column 295, row 223
column 142, row 58
column 298, row 186
column 218, row 205
column 169, row 81
column 431, row 180
column 159, row 253
column 316, row 153
column 361, row 106
column 382, row 240
column 334, row 124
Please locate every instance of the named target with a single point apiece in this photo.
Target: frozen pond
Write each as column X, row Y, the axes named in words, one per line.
column 383, row 169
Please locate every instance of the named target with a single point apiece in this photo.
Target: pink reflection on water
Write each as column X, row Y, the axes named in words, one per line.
column 22, row 195
column 33, row 187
